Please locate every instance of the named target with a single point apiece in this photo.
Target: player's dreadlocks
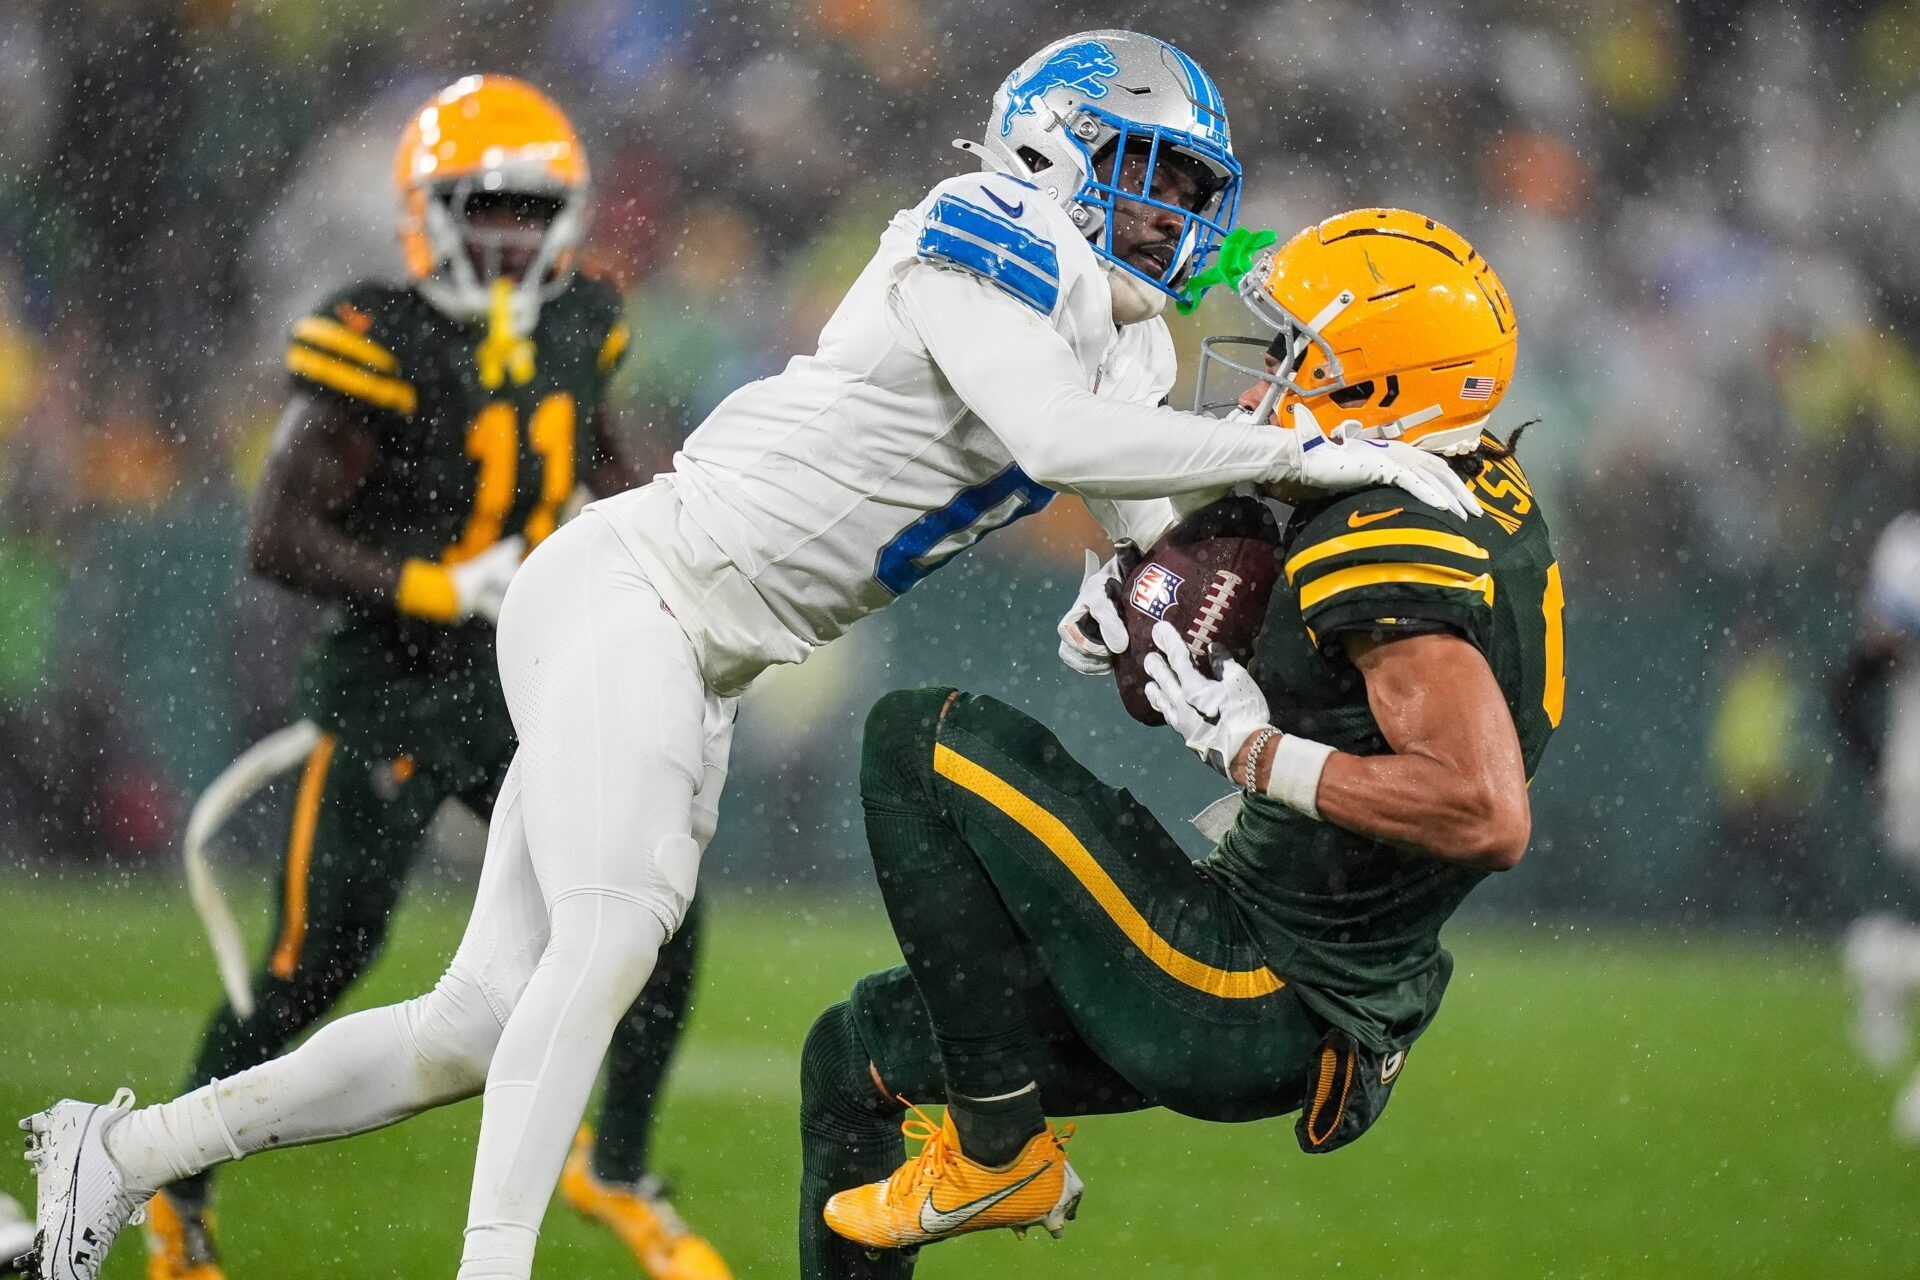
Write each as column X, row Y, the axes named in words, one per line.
column 1468, row 465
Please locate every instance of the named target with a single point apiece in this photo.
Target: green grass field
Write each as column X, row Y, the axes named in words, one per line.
column 1589, row 1104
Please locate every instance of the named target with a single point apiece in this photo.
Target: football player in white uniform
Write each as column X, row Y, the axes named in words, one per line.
column 1882, row 950
column 1002, row 346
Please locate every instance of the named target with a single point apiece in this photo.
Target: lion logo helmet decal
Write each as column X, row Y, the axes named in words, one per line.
column 1083, row 67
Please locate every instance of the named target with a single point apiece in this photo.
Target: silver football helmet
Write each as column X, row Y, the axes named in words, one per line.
column 1067, row 117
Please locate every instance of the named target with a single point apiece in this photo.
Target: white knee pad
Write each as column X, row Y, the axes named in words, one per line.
column 607, row 943
column 454, row 1029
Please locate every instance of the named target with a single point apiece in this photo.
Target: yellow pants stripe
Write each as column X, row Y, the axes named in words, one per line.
column 1228, row 984
column 306, row 816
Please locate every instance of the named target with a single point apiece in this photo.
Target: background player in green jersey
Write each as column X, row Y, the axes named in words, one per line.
column 435, row 432
column 1063, row 955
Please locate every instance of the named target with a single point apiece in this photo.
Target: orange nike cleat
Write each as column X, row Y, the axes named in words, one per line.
column 940, row 1193
column 641, row 1217
column 179, row 1242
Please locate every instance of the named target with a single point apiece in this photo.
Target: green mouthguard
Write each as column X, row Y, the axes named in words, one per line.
column 1235, row 259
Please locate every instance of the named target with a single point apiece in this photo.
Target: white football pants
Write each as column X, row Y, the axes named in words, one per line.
column 591, row 860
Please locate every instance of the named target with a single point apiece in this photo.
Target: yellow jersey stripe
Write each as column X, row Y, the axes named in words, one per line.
column 351, row 380
column 1370, row 575
column 1228, row 984
column 331, row 335
column 1374, row 538
column 614, row 347
column 306, row 816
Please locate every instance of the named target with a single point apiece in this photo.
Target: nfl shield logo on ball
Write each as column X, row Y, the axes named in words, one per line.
column 1155, row 590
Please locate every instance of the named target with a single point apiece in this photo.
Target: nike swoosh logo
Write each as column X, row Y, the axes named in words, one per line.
column 1355, row 520
column 939, row 1221
column 1011, row 210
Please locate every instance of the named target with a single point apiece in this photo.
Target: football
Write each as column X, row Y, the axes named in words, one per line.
column 1211, row 577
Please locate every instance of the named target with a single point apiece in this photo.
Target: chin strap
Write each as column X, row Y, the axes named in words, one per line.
column 1133, row 299
column 502, row 352
column 1235, row 259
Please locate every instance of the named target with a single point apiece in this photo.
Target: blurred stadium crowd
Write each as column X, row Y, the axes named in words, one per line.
column 1702, row 211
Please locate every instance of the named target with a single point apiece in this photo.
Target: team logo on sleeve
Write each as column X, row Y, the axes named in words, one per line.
column 1155, row 591
column 1082, row 67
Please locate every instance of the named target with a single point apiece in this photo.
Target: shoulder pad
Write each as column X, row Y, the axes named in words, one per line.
column 1372, row 507
column 597, row 293
column 994, row 226
column 602, row 308
column 339, row 348
column 1379, row 552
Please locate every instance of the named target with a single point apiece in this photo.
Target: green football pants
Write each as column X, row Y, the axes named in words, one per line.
column 1063, row 903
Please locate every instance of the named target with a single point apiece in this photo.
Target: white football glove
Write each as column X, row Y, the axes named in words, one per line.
column 1214, row 717
column 480, row 584
column 1090, row 649
column 1322, row 462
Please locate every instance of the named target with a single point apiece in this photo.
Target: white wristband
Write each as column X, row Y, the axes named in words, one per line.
column 1294, row 777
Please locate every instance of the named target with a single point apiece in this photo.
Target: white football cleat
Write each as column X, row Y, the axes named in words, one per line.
column 84, row 1198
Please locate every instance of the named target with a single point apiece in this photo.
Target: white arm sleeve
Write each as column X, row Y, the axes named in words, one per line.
column 1142, row 522
column 1020, row 378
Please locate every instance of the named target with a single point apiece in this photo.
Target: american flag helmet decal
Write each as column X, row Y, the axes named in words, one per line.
column 1477, row 389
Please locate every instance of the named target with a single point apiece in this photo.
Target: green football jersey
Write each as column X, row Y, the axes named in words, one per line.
column 480, row 438
column 1354, row 923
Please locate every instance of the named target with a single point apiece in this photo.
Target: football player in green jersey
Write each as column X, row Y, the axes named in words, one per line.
column 1064, row 956
column 435, row 432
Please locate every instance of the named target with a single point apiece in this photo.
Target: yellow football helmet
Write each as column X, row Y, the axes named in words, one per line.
column 495, row 136
column 1389, row 326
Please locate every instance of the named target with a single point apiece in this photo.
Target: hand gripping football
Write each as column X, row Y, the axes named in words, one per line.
column 1210, row 577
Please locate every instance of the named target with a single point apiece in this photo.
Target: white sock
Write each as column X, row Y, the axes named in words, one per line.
column 500, row 1251
column 362, row 1072
column 600, row 952
column 161, row 1144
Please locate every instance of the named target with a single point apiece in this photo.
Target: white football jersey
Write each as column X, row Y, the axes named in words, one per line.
column 811, row 498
